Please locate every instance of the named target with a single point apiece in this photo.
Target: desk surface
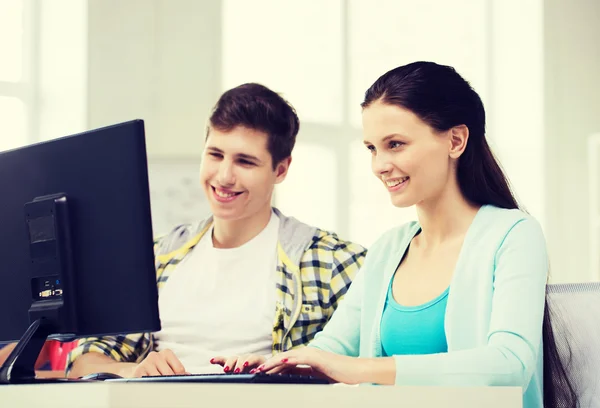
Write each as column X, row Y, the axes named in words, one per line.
column 161, row 395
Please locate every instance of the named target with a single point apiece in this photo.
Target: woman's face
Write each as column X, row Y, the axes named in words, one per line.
column 413, row 161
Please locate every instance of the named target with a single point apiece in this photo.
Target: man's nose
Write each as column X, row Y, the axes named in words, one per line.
column 226, row 175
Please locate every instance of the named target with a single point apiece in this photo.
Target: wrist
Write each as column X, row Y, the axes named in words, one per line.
column 126, row 370
column 380, row 370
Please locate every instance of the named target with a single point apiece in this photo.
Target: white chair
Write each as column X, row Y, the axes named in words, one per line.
column 575, row 313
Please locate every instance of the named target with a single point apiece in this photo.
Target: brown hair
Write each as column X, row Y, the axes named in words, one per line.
column 256, row 107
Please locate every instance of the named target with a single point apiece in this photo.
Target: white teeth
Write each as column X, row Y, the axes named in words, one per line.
column 222, row 194
column 394, row 183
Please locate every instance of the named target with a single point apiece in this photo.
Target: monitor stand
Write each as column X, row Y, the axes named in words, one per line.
column 19, row 367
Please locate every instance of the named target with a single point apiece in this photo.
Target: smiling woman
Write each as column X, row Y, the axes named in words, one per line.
column 397, row 157
column 457, row 298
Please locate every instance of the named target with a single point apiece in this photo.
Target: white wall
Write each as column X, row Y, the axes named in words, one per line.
column 515, row 107
column 106, row 61
column 572, row 113
column 158, row 60
column 61, row 68
column 534, row 63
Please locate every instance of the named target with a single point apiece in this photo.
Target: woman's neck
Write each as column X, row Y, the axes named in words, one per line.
column 445, row 218
column 235, row 233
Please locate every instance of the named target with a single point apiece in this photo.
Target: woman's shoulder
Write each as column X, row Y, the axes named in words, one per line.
column 491, row 227
column 498, row 227
column 503, row 219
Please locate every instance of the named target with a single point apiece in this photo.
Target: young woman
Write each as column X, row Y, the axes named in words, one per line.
column 457, row 298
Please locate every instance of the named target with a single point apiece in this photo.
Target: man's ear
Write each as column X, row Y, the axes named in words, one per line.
column 281, row 169
column 459, row 136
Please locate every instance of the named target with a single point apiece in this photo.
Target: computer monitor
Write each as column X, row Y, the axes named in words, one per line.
column 76, row 244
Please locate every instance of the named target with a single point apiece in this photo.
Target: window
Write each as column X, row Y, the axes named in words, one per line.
column 389, row 33
column 12, row 123
column 281, row 44
column 11, row 40
column 304, row 187
column 15, row 89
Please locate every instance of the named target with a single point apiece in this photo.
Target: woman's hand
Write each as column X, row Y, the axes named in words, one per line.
column 239, row 364
column 334, row 367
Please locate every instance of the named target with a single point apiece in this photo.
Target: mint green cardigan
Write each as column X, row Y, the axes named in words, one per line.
column 494, row 314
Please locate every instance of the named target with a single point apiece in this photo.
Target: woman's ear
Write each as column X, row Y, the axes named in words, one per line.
column 459, row 136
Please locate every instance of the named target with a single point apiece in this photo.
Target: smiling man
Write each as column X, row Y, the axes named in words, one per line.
column 246, row 281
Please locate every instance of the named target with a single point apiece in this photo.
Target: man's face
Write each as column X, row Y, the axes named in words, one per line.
column 237, row 173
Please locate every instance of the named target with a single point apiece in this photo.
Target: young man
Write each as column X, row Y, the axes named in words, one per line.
column 248, row 280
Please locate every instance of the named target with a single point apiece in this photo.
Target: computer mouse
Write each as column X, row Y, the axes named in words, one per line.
column 100, row 377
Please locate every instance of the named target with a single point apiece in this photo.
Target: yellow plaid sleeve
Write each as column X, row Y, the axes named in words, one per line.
column 327, row 269
column 347, row 261
column 129, row 348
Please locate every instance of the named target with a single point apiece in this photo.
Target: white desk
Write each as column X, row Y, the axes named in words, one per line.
column 170, row 395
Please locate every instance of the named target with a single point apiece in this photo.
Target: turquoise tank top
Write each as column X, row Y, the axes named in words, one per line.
column 413, row 329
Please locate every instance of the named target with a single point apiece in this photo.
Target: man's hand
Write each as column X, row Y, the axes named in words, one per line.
column 159, row 363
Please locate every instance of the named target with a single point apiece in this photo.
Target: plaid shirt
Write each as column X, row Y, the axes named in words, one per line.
column 321, row 274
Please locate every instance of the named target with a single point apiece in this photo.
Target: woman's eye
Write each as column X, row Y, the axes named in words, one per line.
column 395, row 145
column 371, row 148
column 217, row 155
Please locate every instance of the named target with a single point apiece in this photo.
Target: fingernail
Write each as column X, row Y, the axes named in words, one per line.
column 226, row 368
column 212, row 360
column 285, row 360
column 246, row 364
column 253, row 371
column 262, row 367
column 237, row 370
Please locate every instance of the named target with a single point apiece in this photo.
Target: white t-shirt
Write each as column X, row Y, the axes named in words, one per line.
column 221, row 301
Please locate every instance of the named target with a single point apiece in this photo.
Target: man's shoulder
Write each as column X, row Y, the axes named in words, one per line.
column 330, row 241
column 179, row 237
column 336, row 260
column 305, row 243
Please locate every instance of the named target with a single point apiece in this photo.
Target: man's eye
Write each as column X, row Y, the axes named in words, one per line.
column 246, row 163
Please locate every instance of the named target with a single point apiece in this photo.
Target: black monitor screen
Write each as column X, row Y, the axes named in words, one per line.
column 103, row 173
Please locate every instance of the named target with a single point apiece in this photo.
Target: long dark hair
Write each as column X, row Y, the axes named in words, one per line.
column 443, row 100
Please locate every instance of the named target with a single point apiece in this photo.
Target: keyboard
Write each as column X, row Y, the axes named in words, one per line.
column 257, row 378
